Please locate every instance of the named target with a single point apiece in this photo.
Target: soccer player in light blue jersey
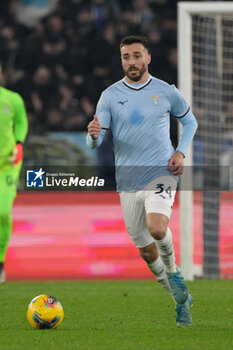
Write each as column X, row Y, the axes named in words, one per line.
column 137, row 108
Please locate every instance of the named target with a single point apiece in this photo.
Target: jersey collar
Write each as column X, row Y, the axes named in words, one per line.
column 137, row 86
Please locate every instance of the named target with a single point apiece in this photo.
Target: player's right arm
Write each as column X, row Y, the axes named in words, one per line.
column 100, row 124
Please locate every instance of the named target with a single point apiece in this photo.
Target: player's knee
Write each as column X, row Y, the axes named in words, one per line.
column 158, row 231
column 157, row 225
column 149, row 255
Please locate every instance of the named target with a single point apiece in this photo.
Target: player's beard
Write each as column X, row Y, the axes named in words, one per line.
column 137, row 76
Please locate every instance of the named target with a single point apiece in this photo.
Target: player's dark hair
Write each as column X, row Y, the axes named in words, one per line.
column 135, row 39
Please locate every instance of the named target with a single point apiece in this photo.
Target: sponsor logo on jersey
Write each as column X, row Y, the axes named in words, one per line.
column 122, row 102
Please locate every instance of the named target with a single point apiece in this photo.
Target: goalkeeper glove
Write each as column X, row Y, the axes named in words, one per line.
column 17, row 155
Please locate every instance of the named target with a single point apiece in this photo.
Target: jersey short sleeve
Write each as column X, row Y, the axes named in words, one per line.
column 103, row 110
column 179, row 106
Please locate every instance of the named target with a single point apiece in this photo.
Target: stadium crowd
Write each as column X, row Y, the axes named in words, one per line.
column 61, row 64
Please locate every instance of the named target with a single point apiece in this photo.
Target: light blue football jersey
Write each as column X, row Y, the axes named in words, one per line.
column 139, row 116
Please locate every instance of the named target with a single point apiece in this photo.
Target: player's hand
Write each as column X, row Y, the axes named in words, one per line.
column 176, row 165
column 94, row 128
column 17, row 155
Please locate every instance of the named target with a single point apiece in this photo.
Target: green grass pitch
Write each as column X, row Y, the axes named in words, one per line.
column 118, row 315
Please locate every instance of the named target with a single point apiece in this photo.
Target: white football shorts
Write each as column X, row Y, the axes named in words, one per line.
column 156, row 197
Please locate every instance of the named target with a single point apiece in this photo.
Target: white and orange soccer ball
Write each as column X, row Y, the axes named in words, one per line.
column 45, row 312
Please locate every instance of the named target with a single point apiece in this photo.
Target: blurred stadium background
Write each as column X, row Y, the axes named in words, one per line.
column 59, row 55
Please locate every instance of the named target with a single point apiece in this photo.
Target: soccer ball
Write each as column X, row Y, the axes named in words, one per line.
column 45, row 312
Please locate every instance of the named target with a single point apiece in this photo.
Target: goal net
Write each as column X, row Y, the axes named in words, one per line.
column 206, row 80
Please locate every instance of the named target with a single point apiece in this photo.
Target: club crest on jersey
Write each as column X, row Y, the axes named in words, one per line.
column 155, row 98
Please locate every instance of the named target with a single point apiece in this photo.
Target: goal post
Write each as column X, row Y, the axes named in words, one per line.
column 207, row 100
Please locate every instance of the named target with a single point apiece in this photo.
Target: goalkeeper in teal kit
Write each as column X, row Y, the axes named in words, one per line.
column 137, row 108
column 13, row 130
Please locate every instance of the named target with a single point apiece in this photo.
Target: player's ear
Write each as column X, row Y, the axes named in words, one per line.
column 149, row 58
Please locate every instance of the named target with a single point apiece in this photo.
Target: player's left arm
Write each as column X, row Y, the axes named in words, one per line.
column 100, row 124
column 20, row 129
column 181, row 111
